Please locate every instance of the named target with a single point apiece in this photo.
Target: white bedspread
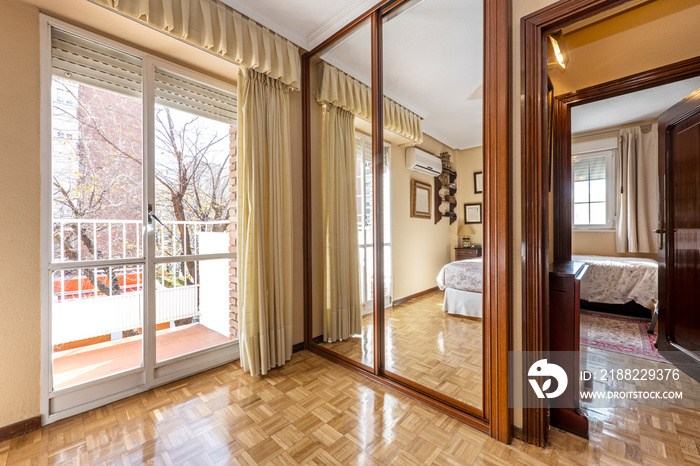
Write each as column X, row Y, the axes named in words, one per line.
column 619, row 280
column 462, row 303
column 466, row 275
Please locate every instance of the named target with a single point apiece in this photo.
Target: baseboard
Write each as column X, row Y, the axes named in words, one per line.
column 398, row 302
column 298, row 347
column 20, row 428
column 518, row 433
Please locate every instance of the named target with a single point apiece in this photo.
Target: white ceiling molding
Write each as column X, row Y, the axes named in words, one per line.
column 354, row 10
column 336, row 15
column 250, row 9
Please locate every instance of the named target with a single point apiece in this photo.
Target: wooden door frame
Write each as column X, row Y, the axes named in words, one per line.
column 561, row 183
column 496, row 418
column 535, row 172
column 668, row 120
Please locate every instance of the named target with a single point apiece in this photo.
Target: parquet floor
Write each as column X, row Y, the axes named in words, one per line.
column 312, row 411
column 439, row 351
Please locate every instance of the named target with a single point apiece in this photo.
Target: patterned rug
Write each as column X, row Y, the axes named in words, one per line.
column 623, row 335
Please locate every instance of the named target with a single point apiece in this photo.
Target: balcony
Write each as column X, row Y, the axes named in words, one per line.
column 82, row 364
column 97, row 312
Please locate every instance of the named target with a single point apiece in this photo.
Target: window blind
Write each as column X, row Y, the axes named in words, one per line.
column 194, row 97
column 590, row 168
column 88, row 62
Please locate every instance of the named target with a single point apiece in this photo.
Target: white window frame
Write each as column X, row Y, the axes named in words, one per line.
column 388, row 291
column 607, row 148
column 59, row 404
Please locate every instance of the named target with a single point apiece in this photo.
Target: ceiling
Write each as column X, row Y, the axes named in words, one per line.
column 630, row 108
column 432, row 66
column 432, row 54
column 307, row 23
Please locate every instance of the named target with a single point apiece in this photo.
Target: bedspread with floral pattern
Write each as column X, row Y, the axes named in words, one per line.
column 463, row 275
column 619, row 280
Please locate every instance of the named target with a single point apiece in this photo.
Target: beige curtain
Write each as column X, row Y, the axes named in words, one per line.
column 344, row 91
column 264, row 222
column 637, row 191
column 342, row 315
column 213, row 26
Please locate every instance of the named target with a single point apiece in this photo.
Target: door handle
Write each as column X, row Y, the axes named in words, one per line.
column 660, row 231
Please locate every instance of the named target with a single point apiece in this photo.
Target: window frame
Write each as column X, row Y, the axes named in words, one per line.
column 610, row 154
column 389, row 290
column 59, row 404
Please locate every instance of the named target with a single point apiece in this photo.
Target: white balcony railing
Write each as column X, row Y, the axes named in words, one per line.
column 78, row 319
column 81, row 310
column 122, row 239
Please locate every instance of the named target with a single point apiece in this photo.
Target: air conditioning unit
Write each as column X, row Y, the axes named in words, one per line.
column 423, row 162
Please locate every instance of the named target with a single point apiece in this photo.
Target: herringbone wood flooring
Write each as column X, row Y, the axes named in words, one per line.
column 442, row 352
column 312, row 411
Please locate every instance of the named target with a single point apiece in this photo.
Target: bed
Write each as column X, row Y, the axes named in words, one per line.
column 462, row 283
column 619, row 281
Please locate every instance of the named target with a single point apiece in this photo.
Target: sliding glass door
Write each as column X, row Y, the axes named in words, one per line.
column 140, row 235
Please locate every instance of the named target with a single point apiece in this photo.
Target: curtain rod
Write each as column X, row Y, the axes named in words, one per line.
column 605, row 132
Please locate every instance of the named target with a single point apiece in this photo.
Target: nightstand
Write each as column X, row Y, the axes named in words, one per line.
column 467, row 253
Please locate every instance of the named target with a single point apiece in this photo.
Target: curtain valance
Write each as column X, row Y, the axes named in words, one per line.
column 342, row 90
column 216, row 27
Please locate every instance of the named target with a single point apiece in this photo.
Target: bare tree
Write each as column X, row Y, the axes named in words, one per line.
column 194, row 183
column 105, row 179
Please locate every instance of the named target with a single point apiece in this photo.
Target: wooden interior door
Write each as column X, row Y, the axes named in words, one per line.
column 679, row 256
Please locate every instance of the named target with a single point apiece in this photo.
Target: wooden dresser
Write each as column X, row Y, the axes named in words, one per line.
column 564, row 336
column 467, row 253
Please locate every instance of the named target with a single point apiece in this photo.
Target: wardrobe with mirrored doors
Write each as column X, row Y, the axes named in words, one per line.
column 406, row 203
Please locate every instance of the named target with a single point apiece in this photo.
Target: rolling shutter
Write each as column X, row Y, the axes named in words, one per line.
column 88, row 62
column 194, row 97
column 94, row 64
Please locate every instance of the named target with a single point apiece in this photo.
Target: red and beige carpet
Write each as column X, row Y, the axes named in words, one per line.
column 619, row 334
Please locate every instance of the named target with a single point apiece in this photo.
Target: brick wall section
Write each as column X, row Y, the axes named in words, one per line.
column 233, row 230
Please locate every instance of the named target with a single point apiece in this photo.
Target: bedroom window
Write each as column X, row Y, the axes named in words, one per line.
column 593, row 190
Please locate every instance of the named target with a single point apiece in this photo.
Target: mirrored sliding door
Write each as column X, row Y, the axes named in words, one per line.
column 342, row 197
column 432, row 77
column 411, row 73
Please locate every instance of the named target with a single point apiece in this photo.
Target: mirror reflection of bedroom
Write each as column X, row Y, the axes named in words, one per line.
column 607, row 202
column 432, row 184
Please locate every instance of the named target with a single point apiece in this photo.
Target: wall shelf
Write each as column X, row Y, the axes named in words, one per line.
column 446, row 180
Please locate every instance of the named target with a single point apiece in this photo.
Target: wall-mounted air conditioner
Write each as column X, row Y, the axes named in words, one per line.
column 423, row 162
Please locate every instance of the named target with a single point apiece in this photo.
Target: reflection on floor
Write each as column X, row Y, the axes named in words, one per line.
column 312, row 411
column 424, row 344
column 80, row 365
column 640, row 431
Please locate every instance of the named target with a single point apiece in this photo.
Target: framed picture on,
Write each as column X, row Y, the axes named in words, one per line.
column 420, row 199
column 478, row 182
column 472, row 213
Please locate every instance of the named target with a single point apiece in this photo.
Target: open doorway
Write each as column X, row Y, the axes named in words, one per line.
column 587, row 217
column 611, row 180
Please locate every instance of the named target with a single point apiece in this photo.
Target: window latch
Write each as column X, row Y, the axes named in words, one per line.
column 152, row 216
